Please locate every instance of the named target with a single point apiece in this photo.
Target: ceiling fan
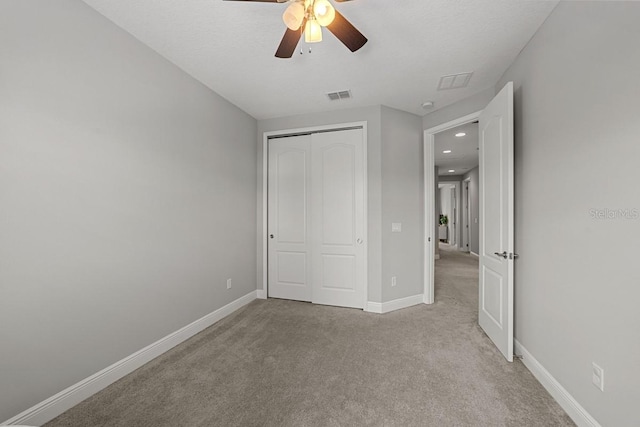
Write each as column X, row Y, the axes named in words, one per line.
column 308, row 17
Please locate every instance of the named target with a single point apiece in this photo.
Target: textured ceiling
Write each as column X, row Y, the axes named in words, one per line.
column 229, row 46
column 464, row 150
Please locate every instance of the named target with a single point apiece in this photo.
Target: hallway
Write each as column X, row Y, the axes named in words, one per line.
column 456, row 278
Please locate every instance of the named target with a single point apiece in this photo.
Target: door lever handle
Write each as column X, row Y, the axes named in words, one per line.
column 503, row 254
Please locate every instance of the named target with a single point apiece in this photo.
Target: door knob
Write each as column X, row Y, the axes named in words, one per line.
column 359, row 241
column 503, row 254
column 271, row 235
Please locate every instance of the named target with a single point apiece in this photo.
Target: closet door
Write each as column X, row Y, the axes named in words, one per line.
column 337, row 218
column 289, row 259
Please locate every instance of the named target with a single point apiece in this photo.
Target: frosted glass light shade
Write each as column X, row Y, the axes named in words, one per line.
column 312, row 32
column 324, row 12
column 293, row 16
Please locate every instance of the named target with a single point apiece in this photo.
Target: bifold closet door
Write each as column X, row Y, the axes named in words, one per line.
column 316, row 218
column 337, row 218
column 288, row 218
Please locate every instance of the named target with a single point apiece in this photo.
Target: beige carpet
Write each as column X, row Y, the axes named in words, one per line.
column 285, row 363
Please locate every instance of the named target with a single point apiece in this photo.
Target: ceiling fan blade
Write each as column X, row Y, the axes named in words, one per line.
column 347, row 33
column 289, row 42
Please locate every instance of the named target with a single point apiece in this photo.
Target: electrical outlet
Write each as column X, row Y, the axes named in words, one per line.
column 228, row 283
column 597, row 376
column 393, row 281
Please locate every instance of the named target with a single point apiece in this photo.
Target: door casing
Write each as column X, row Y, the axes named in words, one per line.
column 430, row 239
column 262, row 293
column 466, row 216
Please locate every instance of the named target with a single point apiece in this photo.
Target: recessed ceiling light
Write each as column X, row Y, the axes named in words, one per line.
column 460, row 134
column 446, row 151
column 451, row 170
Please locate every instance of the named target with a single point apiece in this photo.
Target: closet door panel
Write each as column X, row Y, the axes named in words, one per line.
column 289, row 259
column 337, row 218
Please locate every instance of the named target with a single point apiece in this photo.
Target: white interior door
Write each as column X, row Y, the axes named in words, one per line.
column 289, row 258
column 316, row 218
column 337, row 206
column 496, row 221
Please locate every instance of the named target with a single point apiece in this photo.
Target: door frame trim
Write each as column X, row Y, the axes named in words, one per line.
column 429, row 200
column 466, row 217
column 263, row 293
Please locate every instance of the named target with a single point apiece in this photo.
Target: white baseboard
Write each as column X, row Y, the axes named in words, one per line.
column 571, row 406
column 52, row 407
column 373, row 307
column 474, row 254
column 261, row 294
column 396, row 304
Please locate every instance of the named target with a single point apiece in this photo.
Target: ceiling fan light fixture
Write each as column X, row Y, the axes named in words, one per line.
column 312, row 31
column 293, row 16
column 324, row 12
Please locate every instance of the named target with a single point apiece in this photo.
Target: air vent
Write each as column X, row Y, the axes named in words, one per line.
column 454, row 81
column 343, row 94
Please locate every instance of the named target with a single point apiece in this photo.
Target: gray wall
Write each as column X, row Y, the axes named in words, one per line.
column 474, row 196
column 402, row 201
column 395, row 194
column 450, row 178
column 128, row 198
column 577, row 148
column 451, row 112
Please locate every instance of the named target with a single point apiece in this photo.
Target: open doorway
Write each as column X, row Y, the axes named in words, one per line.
column 452, row 150
column 494, row 265
column 448, row 212
column 456, row 170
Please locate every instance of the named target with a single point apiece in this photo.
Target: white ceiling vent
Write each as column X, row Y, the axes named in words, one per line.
column 343, row 94
column 454, row 81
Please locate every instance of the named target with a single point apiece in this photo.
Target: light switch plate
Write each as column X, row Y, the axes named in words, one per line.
column 396, row 227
